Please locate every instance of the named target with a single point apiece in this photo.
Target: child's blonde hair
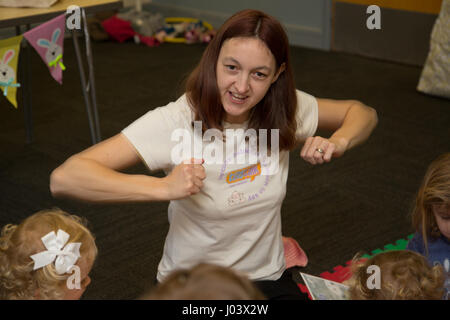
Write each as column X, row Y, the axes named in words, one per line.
column 205, row 282
column 18, row 280
column 405, row 275
column 435, row 189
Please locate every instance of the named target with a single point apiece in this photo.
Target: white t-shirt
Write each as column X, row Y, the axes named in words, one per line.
column 234, row 221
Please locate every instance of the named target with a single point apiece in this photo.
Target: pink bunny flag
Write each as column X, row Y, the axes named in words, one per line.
column 9, row 56
column 48, row 40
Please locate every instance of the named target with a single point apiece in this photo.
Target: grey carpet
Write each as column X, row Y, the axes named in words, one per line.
column 359, row 202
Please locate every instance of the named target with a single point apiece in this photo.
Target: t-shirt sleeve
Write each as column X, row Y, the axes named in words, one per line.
column 307, row 115
column 151, row 134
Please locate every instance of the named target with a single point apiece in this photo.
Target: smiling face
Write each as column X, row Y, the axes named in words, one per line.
column 245, row 70
column 442, row 215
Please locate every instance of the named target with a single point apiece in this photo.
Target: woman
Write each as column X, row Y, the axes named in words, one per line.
column 223, row 212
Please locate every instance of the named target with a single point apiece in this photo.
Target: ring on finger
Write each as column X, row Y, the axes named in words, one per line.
column 320, row 150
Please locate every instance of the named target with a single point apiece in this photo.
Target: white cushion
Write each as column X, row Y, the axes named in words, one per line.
column 435, row 78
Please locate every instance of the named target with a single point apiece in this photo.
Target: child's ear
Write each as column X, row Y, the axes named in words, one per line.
column 37, row 294
column 279, row 71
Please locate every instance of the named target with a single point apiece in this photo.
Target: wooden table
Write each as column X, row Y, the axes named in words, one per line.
column 17, row 17
column 11, row 17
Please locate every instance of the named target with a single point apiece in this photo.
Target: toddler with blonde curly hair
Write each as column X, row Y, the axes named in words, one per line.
column 47, row 256
column 404, row 275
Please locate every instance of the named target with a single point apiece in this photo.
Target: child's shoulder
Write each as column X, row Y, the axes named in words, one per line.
column 416, row 243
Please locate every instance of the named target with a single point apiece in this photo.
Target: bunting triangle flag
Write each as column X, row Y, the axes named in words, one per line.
column 48, row 40
column 9, row 55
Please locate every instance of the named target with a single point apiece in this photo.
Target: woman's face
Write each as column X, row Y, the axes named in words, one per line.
column 442, row 216
column 245, row 70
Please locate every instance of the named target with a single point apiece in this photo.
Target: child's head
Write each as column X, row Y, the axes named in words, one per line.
column 205, row 282
column 404, row 275
column 431, row 215
column 19, row 280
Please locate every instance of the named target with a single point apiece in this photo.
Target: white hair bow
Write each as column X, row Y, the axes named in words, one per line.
column 66, row 256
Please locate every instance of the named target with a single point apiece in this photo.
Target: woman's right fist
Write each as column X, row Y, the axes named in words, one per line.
column 185, row 179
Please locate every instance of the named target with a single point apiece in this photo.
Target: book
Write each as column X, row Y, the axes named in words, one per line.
column 323, row 289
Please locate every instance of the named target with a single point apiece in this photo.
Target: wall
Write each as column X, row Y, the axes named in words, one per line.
column 307, row 22
column 423, row 6
column 404, row 35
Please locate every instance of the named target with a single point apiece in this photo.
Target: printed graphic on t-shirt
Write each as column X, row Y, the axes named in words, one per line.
column 446, row 267
column 245, row 173
column 246, row 182
column 236, row 198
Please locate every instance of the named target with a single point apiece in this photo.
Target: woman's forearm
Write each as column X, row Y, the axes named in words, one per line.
column 86, row 179
column 358, row 124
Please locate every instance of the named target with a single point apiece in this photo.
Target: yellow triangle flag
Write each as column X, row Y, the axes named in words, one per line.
column 9, row 56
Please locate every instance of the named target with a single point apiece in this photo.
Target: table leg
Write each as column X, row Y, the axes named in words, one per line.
column 84, row 86
column 29, row 105
column 91, row 76
column 26, row 90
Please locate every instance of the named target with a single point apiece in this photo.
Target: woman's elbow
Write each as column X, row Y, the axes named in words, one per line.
column 374, row 117
column 57, row 181
column 60, row 178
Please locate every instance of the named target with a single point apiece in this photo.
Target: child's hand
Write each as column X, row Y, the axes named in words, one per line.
column 186, row 179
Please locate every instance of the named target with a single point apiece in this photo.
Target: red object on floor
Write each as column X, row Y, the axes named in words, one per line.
column 121, row 30
column 118, row 29
column 293, row 253
column 304, row 289
column 149, row 41
column 340, row 273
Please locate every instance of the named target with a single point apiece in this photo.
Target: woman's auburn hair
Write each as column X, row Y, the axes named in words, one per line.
column 18, row 280
column 405, row 275
column 277, row 110
column 435, row 189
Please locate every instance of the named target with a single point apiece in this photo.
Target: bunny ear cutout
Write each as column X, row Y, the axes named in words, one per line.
column 44, row 43
column 7, row 57
column 56, row 34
